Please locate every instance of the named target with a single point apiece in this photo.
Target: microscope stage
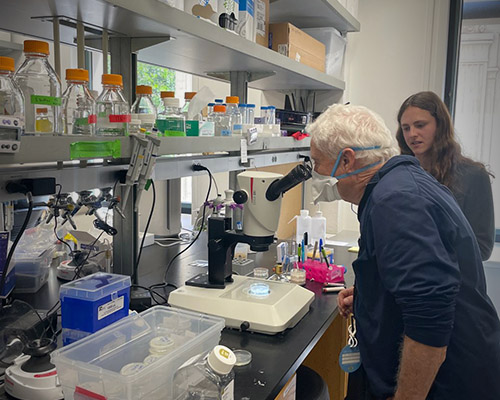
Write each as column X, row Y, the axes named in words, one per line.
column 249, row 304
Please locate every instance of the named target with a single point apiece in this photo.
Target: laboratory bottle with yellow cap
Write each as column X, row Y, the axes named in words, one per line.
column 11, row 101
column 78, row 104
column 206, row 377
column 41, row 88
column 113, row 111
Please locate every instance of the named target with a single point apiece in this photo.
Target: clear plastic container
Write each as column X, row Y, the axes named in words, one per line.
column 264, row 110
column 271, row 115
column 210, row 108
column 236, row 119
column 41, row 88
column 170, row 121
column 32, row 269
column 113, row 111
column 144, row 107
column 94, row 363
column 251, row 114
column 243, row 111
column 222, row 121
column 78, row 104
column 206, row 377
column 11, row 100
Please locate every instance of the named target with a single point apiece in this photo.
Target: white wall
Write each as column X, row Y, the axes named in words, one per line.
column 400, row 50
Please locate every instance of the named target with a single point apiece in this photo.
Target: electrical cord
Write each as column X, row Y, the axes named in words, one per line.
column 136, row 266
column 79, row 267
column 152, row 292
column 196, row 168
column 16, row 241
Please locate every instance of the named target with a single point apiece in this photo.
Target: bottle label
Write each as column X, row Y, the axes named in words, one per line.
column 237, row 127
column 45, row 100
column 113, row 118
column 171, row 126
column 228, row 391
column 91, row 119
column 225, row 132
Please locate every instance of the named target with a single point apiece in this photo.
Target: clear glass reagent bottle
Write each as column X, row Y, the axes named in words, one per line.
column 113, row 112
column 11, row 101
column 144, row 107
column 170, row 121
column 78, row 104
column 40, row 86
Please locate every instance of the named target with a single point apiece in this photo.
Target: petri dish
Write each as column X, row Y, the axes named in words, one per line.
column 243, row 357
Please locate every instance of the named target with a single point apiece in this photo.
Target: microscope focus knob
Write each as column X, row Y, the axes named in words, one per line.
column 240, row 197
column 245, row 325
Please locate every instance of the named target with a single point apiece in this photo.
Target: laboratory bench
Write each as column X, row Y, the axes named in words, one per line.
column 275, row 358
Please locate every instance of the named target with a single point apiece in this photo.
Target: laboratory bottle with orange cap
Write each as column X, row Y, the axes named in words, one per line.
column 78, row 104
column 113, row 111
column 143, row 107
column 11, row 101
column 41, row 88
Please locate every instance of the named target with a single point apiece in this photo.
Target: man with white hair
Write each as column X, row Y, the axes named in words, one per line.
column 425, row 325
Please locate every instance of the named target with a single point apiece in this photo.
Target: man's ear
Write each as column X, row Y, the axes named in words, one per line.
column 348, row 160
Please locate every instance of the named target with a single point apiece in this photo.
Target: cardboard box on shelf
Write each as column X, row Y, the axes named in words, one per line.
column 246, row 20
column 294, row 43
column 261, row 8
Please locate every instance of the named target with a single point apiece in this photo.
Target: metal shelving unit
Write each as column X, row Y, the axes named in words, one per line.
column 189, row 44
column 56, row 149
column 314, row 14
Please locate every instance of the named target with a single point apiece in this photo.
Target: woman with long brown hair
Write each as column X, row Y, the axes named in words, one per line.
column 426, row 131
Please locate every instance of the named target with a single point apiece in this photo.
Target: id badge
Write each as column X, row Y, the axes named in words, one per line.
column 350, row 357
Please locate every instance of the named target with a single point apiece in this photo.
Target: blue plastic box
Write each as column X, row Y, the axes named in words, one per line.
column 95, row 301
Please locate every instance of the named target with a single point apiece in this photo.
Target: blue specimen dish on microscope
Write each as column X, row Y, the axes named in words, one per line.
column 260, row 290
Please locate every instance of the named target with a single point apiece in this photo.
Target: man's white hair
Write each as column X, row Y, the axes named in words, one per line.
column 342, row 126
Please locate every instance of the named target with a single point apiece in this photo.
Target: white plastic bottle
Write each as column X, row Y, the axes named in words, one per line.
column 318, row 227
column 144, row 107
column 11, row 100
column 113, row 111
column 78, row 104
column 206, row 377
column 170, row 121
column 233, row 111
column 303, row 225
column 222, row 121
column 41, row 87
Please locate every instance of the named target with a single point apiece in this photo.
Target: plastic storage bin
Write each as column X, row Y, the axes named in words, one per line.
column 92, row 365
column 335, row 48
column 95, row 301
column 32, row 270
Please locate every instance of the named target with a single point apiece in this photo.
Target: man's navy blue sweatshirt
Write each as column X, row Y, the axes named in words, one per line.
column 419, row 273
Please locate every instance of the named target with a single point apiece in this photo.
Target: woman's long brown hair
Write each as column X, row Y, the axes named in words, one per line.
column 445, row 153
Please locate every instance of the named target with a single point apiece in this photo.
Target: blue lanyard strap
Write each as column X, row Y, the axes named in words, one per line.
column 337, row 162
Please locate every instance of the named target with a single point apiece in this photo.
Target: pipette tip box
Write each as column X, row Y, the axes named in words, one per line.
column 95, row 301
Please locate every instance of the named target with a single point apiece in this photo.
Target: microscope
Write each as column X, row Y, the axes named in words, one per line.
column 248, row 303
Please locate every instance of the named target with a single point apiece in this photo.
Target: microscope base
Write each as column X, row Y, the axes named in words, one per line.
column 201, row 280
column 251, row 304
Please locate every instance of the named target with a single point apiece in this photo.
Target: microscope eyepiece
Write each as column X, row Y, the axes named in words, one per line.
column 297, row 175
